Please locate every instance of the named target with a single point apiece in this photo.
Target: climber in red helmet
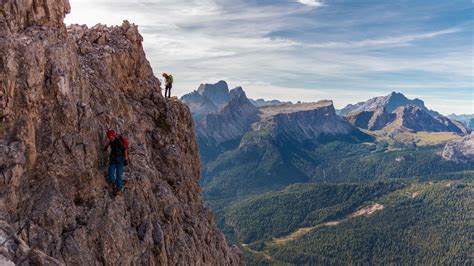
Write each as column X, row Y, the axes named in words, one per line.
column 168, row 84
column 117, row 159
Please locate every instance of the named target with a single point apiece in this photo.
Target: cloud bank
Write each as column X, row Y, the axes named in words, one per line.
column 305, row 50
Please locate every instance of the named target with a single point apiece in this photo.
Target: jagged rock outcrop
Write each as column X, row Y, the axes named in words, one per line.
column 461, row 151
column 371, row 120
column 61, row 88
column 230, row 123
column 389, row 102
column 18, row 15
column 306, row 121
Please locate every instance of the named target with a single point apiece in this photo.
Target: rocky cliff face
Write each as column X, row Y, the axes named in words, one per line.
column 61, row 88
column 302, row 122
column 461, row 151
column 371, row 120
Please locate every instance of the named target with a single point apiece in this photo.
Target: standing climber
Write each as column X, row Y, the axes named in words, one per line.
column 168, row 84
column 118, row 158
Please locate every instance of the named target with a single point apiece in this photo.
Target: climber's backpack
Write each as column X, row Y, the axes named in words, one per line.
column 124, row 141
column 170, row 78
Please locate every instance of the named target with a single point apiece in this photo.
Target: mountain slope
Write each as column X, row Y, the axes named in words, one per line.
column 298, row 206
column 372, row 120
column 416, row 226
column 278, row 149
column 415, row 118
column 62, row 88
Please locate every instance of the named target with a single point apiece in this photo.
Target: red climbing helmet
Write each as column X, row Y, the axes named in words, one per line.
column 111, row 133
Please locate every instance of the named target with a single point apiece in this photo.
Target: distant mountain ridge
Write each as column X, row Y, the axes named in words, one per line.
column 396, row 113
column 303, row 122
column 280, row 171
column 221, row 115
column 210, row 98
column 389, row 102
column 466, row 119
column 262, row 102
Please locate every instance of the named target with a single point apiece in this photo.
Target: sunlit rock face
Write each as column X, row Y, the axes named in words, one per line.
column 61, row 89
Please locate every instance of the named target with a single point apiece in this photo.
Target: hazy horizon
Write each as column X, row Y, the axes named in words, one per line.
column 306, row 50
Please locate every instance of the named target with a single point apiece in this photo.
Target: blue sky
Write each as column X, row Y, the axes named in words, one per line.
column 346, row 51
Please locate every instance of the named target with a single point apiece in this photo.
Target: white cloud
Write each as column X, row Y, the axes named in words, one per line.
column 387, row 41
column 312, row 3
column 208, row 40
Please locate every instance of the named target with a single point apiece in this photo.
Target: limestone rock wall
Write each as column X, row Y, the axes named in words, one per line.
column 60, row 89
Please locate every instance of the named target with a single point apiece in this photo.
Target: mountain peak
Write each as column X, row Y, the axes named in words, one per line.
column 217, row 93
column 220, row 86
column 237, row 92
column 396, row 95
column 390, row 102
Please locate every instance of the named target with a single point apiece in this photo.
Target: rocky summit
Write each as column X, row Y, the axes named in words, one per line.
column 396, row 113
column 61, row 89
column 405, row 118
column 389, row 103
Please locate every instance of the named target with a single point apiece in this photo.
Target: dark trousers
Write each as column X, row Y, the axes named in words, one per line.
column 168, row 91
column 115, row 171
